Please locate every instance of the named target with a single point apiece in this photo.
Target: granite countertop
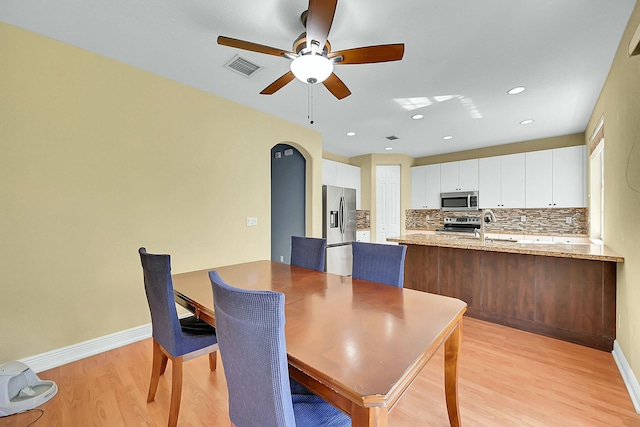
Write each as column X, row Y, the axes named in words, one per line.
column 562, row 250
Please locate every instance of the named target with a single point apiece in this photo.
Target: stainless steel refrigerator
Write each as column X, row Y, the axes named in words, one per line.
column 339, row 227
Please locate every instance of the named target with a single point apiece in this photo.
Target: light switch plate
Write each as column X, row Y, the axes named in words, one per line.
column 252, row 221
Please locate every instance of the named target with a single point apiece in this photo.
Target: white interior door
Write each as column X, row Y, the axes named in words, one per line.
column 387, row 202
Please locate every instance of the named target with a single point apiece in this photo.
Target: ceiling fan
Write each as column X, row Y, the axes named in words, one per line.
column 312, row 58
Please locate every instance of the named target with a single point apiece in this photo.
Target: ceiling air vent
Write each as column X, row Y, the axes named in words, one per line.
column 392, row 137
column 243, row 66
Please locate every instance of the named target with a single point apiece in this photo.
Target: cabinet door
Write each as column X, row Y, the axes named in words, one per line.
column 468, row 175
column 432, row 187
column 449, row 176
column 363, row 236
column 329, row 172
column 418, row 187
column 489, row 179
column 512, row 179
column 539, row 179
column 569, row 177
column 348, row 176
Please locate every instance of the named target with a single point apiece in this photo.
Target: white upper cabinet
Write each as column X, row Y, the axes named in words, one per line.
column 425, row 187
column 513, row 179
column 418, row 187
column 459, row 176
column 348, row 176
column 342, row 175
column 489, row 182
column 539, row 179
column 569, row 177
column 501, row 181
column 329, row 172
column 556, row 178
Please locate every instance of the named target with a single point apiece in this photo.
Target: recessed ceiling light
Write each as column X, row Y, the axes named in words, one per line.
column 389, row 148
column 351, row 133
column 447, row 137
column 417, row 116
column 516, row 90
column 526, row 122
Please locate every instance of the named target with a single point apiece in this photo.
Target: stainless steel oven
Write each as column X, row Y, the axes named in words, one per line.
column 459, row 201
column 460, row 224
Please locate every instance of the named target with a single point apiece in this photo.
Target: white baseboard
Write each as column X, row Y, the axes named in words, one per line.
column 628, row 376
column 54, row 358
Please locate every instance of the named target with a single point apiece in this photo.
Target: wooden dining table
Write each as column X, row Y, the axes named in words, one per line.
column 357, row 344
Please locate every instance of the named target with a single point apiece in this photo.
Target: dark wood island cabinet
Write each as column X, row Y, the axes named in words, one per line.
column 564, row 291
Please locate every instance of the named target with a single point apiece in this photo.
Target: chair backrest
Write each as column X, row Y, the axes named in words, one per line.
column 378, row 262
column 251, row 339
column 308, row 252
column 159, row 289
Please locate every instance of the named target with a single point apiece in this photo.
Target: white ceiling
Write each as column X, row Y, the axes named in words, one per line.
column 468, row 51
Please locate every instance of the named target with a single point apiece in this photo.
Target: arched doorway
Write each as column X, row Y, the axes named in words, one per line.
column 288, row 184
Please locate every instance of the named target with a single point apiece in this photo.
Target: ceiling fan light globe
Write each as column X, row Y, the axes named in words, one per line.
column 311, row 68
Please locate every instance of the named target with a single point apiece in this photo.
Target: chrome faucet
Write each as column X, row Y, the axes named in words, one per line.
column 484, row 218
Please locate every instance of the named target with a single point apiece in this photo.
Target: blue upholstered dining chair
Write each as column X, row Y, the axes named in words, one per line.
column 169, row 339
column 379, row 262
column 250, row 328
column 308, row 252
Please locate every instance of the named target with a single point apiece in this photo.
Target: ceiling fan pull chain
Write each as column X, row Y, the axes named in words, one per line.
column 310, row 103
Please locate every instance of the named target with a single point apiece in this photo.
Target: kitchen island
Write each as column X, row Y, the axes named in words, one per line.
column 564, row 291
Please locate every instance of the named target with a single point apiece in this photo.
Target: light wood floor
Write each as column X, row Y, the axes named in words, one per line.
column 506, row 378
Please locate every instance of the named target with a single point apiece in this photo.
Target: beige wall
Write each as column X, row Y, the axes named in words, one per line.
column 100, row 158
column 335, row 157
column 620, row 103
column 499, row 150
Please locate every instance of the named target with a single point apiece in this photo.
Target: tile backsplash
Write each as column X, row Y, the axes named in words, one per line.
column 558, row 221
column 363, row 220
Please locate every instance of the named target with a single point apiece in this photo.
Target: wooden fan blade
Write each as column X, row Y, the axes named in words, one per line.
column 336, row 86
column 370, row 54
column 278, row 84
column 319, row 20
column 253, row 47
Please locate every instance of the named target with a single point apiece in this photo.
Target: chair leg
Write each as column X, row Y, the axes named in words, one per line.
column 157, row 369
column 213, row 361
column 176, row 390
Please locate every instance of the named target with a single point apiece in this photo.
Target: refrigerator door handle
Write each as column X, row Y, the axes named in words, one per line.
column 341, row 215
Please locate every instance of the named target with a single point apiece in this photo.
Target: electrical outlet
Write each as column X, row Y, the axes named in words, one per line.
column 523, row 218
column 568, row 220
column 281, row 258
column 252, row 221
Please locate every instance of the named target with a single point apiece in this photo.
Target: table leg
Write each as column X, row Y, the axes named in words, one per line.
column 451, row 349
column 369, row 417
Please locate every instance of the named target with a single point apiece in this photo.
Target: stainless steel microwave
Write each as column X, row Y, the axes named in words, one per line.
column 459, row 201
